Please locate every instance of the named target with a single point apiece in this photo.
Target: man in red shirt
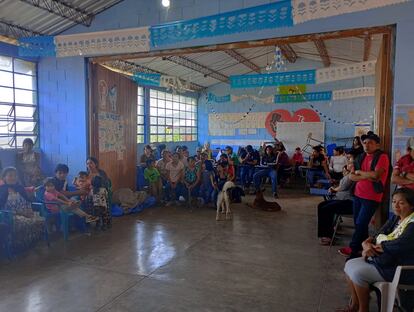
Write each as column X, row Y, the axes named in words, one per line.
column 370, row 174
column 403, row 172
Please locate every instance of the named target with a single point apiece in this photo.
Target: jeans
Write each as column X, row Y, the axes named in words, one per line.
column 177, row 192
column 246, row 174
column 326, row 213
column 364, row 210
column 313, row 175
column 267, row 172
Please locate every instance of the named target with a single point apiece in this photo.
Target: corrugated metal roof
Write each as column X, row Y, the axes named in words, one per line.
column 38, row 20
column 341, row 51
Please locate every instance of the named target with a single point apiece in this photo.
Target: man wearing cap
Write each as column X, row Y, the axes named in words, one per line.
column 403, row 171
column 370, row 174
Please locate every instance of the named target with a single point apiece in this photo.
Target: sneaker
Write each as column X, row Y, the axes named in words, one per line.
column 275, row 195
column 200, row 201
column 181, row 199
column 345, row 251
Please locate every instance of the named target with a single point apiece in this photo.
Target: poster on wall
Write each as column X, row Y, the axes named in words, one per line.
column 274, row 118
column 111, row 133
column 361, row 129
column 403, row 129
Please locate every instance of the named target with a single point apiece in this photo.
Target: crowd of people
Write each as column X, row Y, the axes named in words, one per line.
column 24, row 184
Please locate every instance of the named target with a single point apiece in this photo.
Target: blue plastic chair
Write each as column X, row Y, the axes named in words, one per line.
column 62, row 218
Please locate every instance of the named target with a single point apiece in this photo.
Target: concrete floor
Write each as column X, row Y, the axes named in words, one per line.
column 174, row 259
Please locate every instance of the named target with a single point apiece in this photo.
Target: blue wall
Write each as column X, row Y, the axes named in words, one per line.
column 62, row 101
column 352, row 110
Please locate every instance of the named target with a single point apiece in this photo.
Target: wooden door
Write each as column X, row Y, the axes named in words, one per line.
column 113, row 124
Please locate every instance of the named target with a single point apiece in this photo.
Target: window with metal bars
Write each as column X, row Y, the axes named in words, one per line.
column 173, row 117
column 18, row 102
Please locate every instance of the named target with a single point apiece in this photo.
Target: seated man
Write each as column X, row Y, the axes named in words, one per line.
column 403, row 171
column 249, row 158
column 269, row 170
column 318, row 168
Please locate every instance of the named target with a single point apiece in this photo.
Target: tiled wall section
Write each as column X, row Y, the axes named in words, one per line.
column 63, row 127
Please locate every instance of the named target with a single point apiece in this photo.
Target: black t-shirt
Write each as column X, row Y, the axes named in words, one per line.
column 254, row 155
column 317, row 162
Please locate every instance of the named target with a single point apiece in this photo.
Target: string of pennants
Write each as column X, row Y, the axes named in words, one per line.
column 285, row 13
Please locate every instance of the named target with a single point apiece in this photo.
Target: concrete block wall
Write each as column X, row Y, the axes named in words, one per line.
column 62, row 103
column 352, row 110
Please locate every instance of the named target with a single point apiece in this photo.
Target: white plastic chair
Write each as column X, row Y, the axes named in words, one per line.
column 389, row 290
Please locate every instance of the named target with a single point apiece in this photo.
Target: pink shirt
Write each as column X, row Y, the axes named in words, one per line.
column 52, row 197
column 298, row 158
column 365, row 188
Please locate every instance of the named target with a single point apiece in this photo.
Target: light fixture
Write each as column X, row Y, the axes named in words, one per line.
column 165, row 3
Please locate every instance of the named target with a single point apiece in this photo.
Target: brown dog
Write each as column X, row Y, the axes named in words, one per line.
column 260, row 203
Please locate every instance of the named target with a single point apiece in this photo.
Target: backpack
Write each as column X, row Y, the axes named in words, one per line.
column 378, row 186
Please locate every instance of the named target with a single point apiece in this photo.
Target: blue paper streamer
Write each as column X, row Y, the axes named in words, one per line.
column 219, row 99
column 272, row 15
column 147, row 79
column 304, row 97
column 273, row 79
column 37, row 46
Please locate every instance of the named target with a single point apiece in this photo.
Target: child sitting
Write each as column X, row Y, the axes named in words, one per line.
column 153, row 176
column 98, row 197
column 83, row 184
column 55, row 200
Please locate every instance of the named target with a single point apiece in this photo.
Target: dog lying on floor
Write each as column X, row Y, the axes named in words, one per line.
column 223, row 200
column 260, row 203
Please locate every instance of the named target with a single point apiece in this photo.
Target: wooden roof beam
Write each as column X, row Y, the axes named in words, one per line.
column 288, row 53
column 323, row 52
column 243, row 60
column 133, row 68
column 367, row 47
column 207, row 72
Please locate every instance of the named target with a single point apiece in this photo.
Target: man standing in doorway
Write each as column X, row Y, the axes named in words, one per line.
column 370, row 175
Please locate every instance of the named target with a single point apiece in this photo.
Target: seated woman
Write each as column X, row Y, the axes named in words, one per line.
column 191, row 178
column 282, row 162
column 207, row 180
column 318, row 167
column 28, row 165
column 336, row 163
column 175, row 169
column 341, row 203
column 269, row 170
column 382, row 254
column 28, row 226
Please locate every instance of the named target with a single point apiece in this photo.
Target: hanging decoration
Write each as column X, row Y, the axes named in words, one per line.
column 292, row 89
column 43, row 46
column 147, row 79
column 353, row 93
column 350, row 71
column 128, row 40
column 175, row 84
column 219, row 99
column 305, row 10
column 273, row 79
column 268, row 16
column 303, row 97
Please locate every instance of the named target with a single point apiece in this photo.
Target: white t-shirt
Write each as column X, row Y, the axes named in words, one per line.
column 337, row 163
column 174, row 171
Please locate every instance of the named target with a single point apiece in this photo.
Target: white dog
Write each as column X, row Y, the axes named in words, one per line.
column 223, row 200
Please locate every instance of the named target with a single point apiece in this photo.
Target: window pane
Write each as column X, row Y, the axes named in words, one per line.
column 25, row 126
column 161, row 95
column 169, row 138
column 25, row 111
column 169, row 121
column 153, row 129
column 140, row 139
column 161, row 112
column 153, row 138
column 140, row 129
column 6, row 95
column 6, row 79
column 153, row 111
column 161, row 129
column 140, row 110
column 153, row 120
column 24, row 82
column 168, row 104
column 24, row 67
column 140, row 91
column 140, row 120
column 140, row 100
column 161, row 121
column 6, row 63
column 25, row 97
column 5, row 110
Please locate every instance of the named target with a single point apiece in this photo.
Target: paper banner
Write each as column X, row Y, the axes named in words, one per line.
column 353, row 93
column 305, row 97
column 273, row 79
column 345, row 72
column 37, row 46
column 297, row 89
column 103, row 42
column 305, row 10
column 264, row 100
column 273, row 15
column 219, row 99
column 282, row 115
column 147, row 79
column 361, row 129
